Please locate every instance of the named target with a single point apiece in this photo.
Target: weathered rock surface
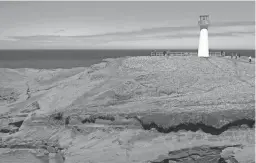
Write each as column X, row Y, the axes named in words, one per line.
column 201, row 154
column 8, row 95
column 133, row 109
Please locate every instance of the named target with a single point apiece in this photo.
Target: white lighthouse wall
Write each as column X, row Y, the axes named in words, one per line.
column 203, row 49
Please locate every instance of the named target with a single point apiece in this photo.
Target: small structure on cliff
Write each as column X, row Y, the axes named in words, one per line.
column 203, row 48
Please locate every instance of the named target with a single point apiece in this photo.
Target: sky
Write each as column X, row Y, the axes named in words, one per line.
column 125, row 25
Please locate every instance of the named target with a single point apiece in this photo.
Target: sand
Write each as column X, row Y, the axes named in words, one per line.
column 131, row 109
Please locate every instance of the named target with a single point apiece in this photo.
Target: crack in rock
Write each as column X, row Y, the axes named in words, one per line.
column 197, row 126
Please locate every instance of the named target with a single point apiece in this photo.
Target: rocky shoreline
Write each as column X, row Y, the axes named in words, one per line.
column 133, row 109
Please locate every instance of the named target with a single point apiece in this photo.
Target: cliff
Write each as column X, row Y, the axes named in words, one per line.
column 132, row 109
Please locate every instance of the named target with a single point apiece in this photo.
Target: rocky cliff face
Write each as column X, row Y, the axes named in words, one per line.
column 134, row 109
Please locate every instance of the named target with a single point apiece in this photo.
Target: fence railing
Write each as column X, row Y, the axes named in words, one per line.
column 182, row 53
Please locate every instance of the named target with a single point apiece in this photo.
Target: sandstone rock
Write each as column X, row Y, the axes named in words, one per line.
column 8, row 95
column 51, row 149
column 164, row 95
column 55, row 158
column 31, row 107
column 199, row 154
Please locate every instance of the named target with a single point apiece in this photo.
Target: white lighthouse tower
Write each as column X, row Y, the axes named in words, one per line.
column 203, row 48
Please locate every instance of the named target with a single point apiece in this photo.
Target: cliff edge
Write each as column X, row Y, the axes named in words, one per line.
column 132, row 109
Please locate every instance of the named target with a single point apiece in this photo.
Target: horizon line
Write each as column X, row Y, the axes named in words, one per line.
column 136, row 49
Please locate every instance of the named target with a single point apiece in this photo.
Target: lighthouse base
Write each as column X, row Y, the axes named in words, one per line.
column 203, row 49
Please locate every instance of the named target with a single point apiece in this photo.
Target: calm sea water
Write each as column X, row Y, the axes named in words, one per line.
column 50, row 59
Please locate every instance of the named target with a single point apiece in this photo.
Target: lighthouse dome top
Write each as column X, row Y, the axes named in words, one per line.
column 204, row 21
column 204, row 17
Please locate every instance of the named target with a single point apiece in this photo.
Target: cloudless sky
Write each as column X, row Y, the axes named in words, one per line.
column 118, row 25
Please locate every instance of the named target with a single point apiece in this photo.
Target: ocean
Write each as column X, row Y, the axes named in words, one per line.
column 52, row 59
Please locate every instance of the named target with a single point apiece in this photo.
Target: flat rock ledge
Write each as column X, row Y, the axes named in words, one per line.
column 200, row 154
